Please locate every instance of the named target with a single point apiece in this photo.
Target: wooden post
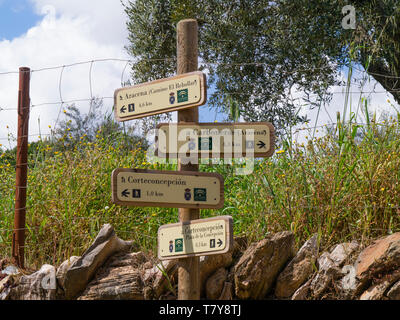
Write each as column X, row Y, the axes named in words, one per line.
column 187, row 55
column 18, row 240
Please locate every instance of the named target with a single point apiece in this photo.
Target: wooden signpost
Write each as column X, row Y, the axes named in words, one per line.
column 186, row 189
column 160, row 96
column 195, row 238
column 187, row 61
column 171, row 189
column 210, row 140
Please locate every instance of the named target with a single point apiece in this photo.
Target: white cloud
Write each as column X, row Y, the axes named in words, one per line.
column 370, row 90
column 69, row 32
column 104, row 19
column 73, row 31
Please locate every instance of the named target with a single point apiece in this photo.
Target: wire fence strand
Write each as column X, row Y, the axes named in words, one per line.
column 204, row 62
column 159, row 219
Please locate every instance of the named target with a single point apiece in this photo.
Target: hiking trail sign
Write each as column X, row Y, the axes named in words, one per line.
column 195, row 238
column 160, row 96
column 172, row 189
column 210, row 140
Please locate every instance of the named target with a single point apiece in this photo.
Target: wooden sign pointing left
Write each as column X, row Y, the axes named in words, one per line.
column 160, row 96
column 172, row 189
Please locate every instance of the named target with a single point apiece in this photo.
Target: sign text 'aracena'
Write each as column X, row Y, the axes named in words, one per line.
column 195, row 238
column 172, row 189
column 214, row 140
column 160, row 96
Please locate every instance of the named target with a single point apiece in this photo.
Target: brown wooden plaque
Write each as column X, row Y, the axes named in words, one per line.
column 172, row 189
column 195, row 238
column 160, row 96
column 211, row 140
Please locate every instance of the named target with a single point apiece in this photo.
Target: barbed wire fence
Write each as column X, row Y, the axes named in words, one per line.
column 59, row 105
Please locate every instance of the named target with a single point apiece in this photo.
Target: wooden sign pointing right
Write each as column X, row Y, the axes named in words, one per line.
column 213, row 140
column 195, row 238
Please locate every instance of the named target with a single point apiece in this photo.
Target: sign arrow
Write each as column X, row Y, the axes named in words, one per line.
column 261, row 144
column 219, row 242
column 125, row 193
column 122, row 109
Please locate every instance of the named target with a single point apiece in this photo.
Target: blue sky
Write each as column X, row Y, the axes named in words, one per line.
column 48, row 33
column 16, row 17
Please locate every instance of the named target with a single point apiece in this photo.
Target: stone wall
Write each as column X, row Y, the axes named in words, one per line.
column 269, row 269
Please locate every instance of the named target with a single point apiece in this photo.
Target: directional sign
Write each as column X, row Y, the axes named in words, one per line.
column 195, row 238
column 164, row 95
column 172, row 189
column 211, row 140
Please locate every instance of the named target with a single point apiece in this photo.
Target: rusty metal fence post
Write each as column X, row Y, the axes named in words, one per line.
column 18, row 240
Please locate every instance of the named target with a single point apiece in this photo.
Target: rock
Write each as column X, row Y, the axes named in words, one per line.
column 342, row 252
column 226, row 293
column 156, row 279
column 168, row 296
column 215, row 284
column 325, row 262
column 40, row 285
column 10, row 270
column 118, row 279
column 239, row 246
column 260, row 264
column 302, row 292
column 3, row 262
column 323, row 281
column 148, row 293
column 337, row 257
column 394, row 292
column 374, row 293
column 78, row 275
column 377, row 291
column 209, row 264
column 298, row 270
column 5, row 286
column 231, row 275
column 382, row 256
column 61, row 273
column 9, row 274
column 330, row 271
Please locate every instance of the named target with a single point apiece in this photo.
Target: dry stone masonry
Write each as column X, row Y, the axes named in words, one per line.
column 111, row 269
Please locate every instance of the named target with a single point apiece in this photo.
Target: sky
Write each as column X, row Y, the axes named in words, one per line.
column 46, row 35
column 42, row 34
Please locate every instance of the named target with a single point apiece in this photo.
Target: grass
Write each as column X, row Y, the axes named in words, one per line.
column 343, row 186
